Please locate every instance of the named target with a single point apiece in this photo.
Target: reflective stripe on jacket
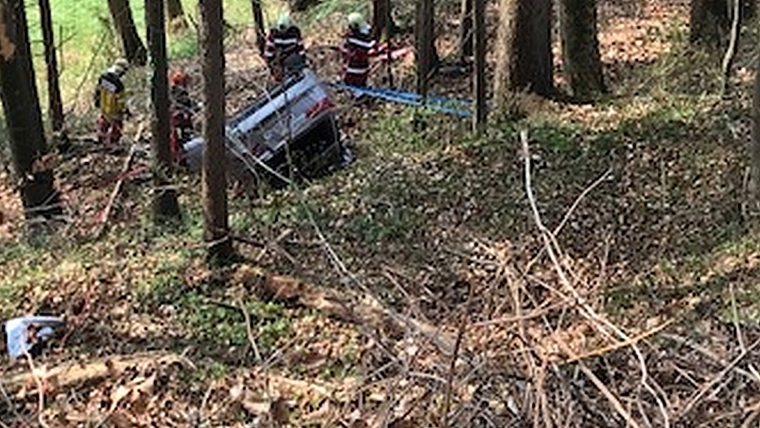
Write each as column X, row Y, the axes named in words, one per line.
column 356, row 50
column 109, row 96
column 282, row 44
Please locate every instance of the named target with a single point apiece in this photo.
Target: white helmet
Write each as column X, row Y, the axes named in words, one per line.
column 355, row 20
column 119, row 67
column 283, row 21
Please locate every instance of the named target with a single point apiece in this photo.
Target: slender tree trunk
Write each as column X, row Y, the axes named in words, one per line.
column 390, row 28
column 55, row 104
column 22, row 113
column 523, row 49
column 580, row 48
column 754, row 183
column 479, row 48
column 176, row 15
column 465, row 31
column 165, row 205
column 134, row 49
column 427, row 57
column 709, row 22
column 733, row 45
column 258, row 21
column 380, row 14
column 214, row 182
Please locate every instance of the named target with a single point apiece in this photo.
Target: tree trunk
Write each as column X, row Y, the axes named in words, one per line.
column 754, row 183
column 479, row 83
column 176, row 15
column 134, row 49
column 22, row 113
column 55, row 104
column 427, row 57
column 465, row 31
column 301, row 5
column 258, row 21
column 165, row 205
column 733, row 45
column 380, row 9
column 214, row 182
column 524, row 56
column 390, row 29
column 709, row 22
column 582, row 65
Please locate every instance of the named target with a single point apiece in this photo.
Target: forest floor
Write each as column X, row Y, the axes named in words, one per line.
column 605, row 277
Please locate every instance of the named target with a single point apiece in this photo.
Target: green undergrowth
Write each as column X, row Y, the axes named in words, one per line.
column 86, row 43
column 670, row 191
column 663, row 229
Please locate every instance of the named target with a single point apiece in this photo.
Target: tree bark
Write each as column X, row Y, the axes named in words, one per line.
column 479, row 84
column 165, row 205
column 214, row 181
column 754, row 182
column 134, row 49
column 176, row 15
column 258, row 21
column 22, row 113
column 380, row 14
column 733, row 45
column 55, row 105
column 581, row 61
column 427, row 57
column 524, row 57
column 709, row 22
column 465, row 31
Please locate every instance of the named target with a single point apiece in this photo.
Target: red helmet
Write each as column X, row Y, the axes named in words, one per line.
column 179, row 78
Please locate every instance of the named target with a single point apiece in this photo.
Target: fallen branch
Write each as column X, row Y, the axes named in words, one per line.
column 115, row 192
column 733, row 44
column 251, row 336
column 616, row 404
column 602, row 325
column 710, row 355
column 77, row 373
column 705, row 389
column 619, row 345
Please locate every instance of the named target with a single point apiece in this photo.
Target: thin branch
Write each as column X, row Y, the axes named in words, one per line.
column 707, row 388
column 603, row 325
column 624, row 344
column 249, row 333
column 454, row 358
column 601, row 386
column 733, row 44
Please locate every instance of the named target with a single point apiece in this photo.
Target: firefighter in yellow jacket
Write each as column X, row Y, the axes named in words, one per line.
column 109, row 100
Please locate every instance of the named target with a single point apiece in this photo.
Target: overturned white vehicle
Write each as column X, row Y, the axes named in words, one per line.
column 292, row 125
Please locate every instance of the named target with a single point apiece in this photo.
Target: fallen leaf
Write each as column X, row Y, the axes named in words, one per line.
column 256, row 408
column 280, row 411
column 402, row 423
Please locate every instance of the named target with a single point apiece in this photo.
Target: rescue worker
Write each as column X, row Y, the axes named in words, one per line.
column 356, row 51
column 284, row 45
column 181, row 111
column 109, row 100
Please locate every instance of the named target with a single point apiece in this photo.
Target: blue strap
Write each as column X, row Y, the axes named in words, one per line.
column 442, row 104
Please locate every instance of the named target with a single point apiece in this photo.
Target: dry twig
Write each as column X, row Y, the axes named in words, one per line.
column 707, row 388
column 604, row 326
column 115, row 192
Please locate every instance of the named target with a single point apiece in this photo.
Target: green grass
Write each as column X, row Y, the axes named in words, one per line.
column 86, row 42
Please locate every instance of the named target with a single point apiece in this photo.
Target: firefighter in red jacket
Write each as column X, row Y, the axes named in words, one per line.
column 284, row 46
column 181, row 112
column 109, row 100
column 356, row 51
